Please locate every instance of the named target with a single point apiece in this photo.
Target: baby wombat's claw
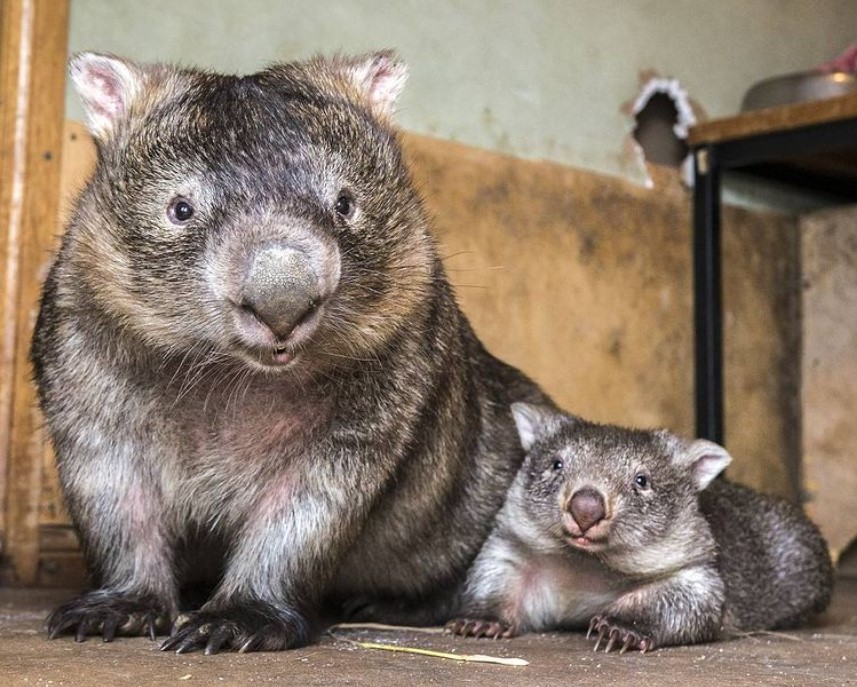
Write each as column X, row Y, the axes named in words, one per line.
column 492, row 629
column 617, row 633
column 108, row 614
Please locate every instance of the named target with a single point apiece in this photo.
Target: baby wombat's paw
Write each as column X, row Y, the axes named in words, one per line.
column 492, row 629
column 108, row 614
column 252, row 626
column 619, row 634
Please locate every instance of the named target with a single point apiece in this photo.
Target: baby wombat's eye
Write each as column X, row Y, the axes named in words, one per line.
column 557, row 464
column 345, row 205
column 642, row 481
column 180, row 210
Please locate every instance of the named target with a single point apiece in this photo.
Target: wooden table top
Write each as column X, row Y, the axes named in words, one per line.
column 774, row 119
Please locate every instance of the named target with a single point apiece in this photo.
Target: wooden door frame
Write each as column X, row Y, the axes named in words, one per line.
column 33, row 54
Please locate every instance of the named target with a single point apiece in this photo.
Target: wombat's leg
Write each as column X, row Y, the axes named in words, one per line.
column 121, row 524
column 683, row 609
column 284, row 557
column 492, row 629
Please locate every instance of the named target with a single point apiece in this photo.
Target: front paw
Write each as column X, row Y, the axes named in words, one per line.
column 492, row 629
column 620, row 634
column 248, row 626
column 108, row 614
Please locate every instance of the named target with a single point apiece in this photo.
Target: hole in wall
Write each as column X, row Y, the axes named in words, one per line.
column 662, row 115
column 655, row 132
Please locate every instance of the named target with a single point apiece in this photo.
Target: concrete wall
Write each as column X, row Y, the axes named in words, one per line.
column 535, row 78
column 829, row 257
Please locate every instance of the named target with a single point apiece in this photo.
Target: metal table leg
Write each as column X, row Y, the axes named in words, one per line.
column 708, row 309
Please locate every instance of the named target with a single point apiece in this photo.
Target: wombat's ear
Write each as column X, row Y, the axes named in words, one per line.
column 535, row 422
column 379, row 77
column 706, row 460
column 107, row 85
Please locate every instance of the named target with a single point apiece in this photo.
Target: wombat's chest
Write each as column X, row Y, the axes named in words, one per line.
column 224, row 450
column 561, row 590
column 239, row 419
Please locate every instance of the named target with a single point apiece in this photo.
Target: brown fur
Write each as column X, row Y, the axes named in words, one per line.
column 360, row 451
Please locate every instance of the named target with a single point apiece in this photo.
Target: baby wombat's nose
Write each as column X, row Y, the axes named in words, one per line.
column 281, row 287
column 587, row 508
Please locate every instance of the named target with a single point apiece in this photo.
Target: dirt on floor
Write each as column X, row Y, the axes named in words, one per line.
column 825, row 654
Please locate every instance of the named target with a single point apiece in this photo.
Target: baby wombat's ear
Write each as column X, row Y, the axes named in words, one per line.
column 535, row 422
column 107, row 85
column 706, row 460
column 378, row 77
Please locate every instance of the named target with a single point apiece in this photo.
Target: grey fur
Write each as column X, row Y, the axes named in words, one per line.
column 673, row 558
column 358, row 447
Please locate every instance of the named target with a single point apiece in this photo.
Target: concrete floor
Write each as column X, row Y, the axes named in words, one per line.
column 825, row 654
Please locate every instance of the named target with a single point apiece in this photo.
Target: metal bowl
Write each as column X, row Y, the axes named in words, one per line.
column 796, row 88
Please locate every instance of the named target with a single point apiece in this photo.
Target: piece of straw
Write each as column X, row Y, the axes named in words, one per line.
column 472, row 658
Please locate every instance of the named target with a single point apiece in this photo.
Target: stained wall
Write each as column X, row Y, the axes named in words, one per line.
column 543, row 79
column 829, row 394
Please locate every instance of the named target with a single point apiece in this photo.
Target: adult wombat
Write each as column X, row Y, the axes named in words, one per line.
column 624, row 531
column 252, row 364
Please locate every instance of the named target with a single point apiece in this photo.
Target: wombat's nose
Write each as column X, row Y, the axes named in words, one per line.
column 587, row 508
column 281, row 288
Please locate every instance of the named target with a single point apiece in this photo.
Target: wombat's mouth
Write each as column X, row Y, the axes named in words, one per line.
column 586, row 543
column 262, row 347
column 268, row 359
column 283, row 356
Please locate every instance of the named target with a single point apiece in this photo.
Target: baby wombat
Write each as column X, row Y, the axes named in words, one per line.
column 252, row 364
column 625, row 532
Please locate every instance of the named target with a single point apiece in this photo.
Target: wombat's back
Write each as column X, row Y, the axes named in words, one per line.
column 774, row 561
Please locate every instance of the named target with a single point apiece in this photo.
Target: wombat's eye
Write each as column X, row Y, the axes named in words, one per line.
column 345, row 205
column 557, row 464
column 642, row 481
column 180, row 210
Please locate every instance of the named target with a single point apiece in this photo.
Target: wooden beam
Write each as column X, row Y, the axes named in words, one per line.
column 33, row 47
column 781, row 118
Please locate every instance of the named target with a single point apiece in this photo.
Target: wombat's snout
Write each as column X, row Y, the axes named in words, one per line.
column 587, row 508
column 281, row 288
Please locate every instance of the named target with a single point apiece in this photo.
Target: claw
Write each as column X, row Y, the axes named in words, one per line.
column 627, row 643
column 598, row 641
column 592, row 624
column 108, row 629
column 153, row 630
column 215, row 641
column 612, row 639
column 61, row 627
column 192, row 643
column 249, row 645
column 80, row 634
column 171, row 642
